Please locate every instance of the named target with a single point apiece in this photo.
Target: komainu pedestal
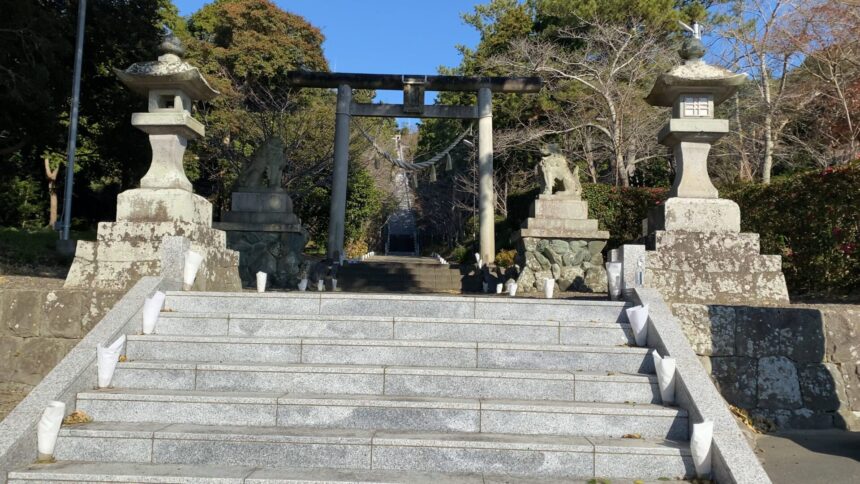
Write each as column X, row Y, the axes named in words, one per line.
column 558, row 241
column 267, row 234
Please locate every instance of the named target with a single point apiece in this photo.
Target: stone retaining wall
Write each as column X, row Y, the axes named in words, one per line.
column 797, row 367
column 39, row 326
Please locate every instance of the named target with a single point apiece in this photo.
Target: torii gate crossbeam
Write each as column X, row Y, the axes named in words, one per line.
column 414, row 87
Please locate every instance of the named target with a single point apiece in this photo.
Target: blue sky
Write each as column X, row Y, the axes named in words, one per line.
column 383, row 36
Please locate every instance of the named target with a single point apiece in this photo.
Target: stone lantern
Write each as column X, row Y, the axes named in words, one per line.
column 164, row 206
column 697, row 253
column 170, row 85
column 693, row 90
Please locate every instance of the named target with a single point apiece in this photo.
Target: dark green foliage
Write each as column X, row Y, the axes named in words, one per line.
column 36, row 55
column 812, row 220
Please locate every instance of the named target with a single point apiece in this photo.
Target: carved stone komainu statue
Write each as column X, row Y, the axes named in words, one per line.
column 553, row 166
column 268, row 160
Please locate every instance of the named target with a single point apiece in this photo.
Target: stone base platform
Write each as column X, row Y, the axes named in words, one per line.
column 126, row 251
column 714, row 268
column 576, row 265
column 559, row 241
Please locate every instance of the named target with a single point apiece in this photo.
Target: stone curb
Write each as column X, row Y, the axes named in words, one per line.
column 733, row 459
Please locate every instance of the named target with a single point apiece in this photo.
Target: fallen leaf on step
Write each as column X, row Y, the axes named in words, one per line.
column 77, row 417
column 123, row 358
column 632, row 436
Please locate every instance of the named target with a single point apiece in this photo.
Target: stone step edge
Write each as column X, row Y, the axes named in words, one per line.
column 70, row 471
column 391, row 369
column 118, row 430
column 389, row 319
column 156, row 338
column 387, row 401
column 397, row 297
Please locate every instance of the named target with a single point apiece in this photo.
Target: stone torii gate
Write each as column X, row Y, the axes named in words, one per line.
column 413, row 106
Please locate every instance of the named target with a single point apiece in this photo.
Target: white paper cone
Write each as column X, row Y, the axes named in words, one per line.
column 665, row 369
column 500, row 288
column 548, row 287
column 638, row 317
column 192, row 265
column 49, row 428
column 334, row 284
column 320, row 285
column 108, row 357
column 303, row 285
column 613, row 279
column 512, row 289
column 261, row 281
column 478, row 258
column 151, row 308
column 700, row 447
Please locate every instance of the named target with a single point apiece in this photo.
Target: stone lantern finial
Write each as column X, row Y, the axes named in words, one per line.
column 170, row 43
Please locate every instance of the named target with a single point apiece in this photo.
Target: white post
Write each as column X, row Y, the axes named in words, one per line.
column 486, row 197
column 337, row 212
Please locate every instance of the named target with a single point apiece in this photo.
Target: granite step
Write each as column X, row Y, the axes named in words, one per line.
column 401, row 328
column 389, row 380
column 385, row 413
column 389, row 352
column 63, row 472
column 490, row 307
column 513, row 455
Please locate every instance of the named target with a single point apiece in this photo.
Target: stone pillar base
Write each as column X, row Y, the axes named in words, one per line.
column 126, row 251
column 163, row 204
column 695, row 215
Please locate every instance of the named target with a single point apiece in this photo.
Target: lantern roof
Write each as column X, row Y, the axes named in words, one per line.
column 168, row 72
column 694, row 76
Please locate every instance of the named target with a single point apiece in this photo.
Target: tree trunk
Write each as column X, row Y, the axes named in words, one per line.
column 745, row 170
column 52, row 192
column 767, row 162
column 589, row 156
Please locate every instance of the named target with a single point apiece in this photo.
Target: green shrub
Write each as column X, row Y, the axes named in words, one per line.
column 813, row 220
column 621, row 210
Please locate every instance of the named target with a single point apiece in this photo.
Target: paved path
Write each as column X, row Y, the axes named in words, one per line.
column 811, row 456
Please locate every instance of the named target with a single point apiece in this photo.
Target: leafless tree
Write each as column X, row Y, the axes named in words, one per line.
column 598, row 87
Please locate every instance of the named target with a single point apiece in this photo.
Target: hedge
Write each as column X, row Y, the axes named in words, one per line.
column 812, row 219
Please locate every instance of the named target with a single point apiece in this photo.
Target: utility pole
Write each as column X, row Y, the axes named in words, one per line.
column 64, row 245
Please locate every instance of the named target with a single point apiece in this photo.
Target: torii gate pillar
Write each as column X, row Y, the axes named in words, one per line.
column 486, row 195
column 337, row 210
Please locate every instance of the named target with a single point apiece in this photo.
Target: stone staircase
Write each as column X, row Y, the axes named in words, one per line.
column 407, row 275
column 299, row 387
